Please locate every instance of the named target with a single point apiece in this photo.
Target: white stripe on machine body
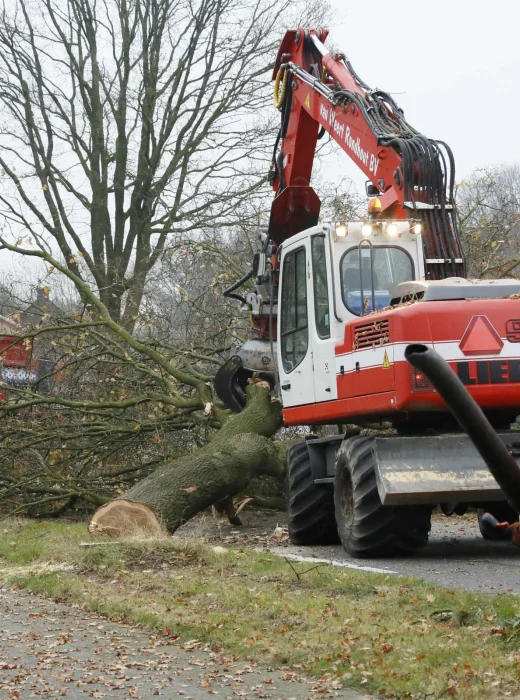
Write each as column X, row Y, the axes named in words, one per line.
column 450, row 350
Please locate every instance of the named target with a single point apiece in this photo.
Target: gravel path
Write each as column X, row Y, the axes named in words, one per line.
column 48, row 650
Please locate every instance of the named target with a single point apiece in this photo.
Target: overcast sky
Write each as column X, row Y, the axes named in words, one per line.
column 453, row 66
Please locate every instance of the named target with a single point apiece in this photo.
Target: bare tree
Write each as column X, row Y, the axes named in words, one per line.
column 131, row 136
column 488, row 211
column 127, row 122
column 341, row 201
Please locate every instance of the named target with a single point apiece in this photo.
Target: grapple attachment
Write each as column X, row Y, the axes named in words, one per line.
column 254, row 357
column 229, row 384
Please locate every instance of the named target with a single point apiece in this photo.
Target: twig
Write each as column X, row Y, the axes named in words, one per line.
column 299, row 574
column 98, row 544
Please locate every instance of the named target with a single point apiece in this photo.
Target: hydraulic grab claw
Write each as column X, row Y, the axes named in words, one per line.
column 229, row 384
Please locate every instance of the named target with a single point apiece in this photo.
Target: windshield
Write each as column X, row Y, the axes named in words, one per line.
column 390, row 266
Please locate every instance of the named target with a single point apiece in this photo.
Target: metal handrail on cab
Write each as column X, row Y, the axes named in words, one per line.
column 361, row 291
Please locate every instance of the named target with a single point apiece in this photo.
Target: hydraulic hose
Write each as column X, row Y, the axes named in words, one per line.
column 229, row 291
column 502, row 465
column 279, row 94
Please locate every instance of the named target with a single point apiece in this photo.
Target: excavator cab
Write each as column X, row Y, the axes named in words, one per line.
column 326, row 276
column 331, row 275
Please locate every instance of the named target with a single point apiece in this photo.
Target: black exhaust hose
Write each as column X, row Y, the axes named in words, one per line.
column 229, row 291
column 468, row 413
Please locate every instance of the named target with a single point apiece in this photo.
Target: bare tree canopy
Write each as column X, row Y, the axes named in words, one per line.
column 135, row 138
column 488, row 209
column 126, row 121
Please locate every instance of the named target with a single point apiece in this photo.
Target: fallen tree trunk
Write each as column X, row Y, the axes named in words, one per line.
column 178, row 490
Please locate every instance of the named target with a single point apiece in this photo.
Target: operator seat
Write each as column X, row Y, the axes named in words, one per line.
column 367, row 276
column 352, row 279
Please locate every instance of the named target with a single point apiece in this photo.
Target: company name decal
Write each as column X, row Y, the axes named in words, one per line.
column 353, row 144
column 489, row 372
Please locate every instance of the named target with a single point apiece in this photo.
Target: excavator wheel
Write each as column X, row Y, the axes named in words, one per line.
column 310, row 508
column 503, row 512
column 366, row 527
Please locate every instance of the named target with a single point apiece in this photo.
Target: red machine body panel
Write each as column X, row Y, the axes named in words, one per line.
column 480, row 339
column 15, row 352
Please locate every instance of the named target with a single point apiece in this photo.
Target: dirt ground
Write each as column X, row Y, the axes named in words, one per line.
column 268, row 527
column 260, row 527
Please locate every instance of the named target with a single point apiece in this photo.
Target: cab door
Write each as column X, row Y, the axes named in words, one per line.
column 323, row 345
column 294, row 347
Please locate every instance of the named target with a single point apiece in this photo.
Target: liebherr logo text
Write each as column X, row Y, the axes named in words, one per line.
column 353, row 144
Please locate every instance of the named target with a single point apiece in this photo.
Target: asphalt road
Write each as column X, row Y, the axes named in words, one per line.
column 456, row 557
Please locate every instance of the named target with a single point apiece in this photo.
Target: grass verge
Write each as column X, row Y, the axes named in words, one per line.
column 387, row 635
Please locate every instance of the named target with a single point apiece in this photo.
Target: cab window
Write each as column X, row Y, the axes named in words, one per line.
column 386, row 267
column 294, row 332
column 320, row 286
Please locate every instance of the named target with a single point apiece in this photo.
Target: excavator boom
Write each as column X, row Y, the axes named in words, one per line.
column 413, row 176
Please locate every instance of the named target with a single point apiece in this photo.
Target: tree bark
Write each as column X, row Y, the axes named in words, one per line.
column 178, row 490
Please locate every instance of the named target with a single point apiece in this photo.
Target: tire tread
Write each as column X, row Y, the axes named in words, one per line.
column 377, row 530
column 310, row 508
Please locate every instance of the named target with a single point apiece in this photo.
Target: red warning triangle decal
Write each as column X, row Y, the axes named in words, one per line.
column 480, row 338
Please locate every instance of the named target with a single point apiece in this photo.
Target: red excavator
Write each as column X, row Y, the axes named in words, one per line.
column 373, row 322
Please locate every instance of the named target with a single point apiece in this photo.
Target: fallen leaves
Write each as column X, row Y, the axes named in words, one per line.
column 103, row 659
column 343, row 627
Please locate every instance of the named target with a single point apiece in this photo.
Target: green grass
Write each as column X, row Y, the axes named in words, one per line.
column 393, row 636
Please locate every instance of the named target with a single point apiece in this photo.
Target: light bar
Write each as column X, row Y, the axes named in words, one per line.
column 341, row 229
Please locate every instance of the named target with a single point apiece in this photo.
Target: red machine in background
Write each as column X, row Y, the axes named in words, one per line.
column 17, row 367
column 20, row 370
column 362, row 313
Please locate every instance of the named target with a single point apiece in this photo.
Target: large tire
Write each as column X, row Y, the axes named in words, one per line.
column 503, row 512
column 366, row 527
column 310, row 508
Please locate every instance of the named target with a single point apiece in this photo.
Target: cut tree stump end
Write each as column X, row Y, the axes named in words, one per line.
column 123, row 517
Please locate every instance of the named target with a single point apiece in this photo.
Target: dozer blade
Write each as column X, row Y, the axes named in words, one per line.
column 437, row 469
